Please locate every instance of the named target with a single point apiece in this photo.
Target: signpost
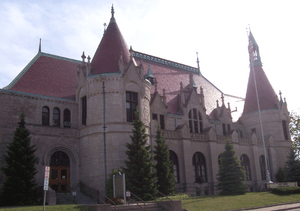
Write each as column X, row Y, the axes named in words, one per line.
column 119, row 187
column 46, row 183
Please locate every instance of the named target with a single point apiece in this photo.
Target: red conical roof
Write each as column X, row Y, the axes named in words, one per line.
column 107, row 55
column 266, row 95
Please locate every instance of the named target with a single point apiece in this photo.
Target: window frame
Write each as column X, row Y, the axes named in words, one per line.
column 245, row 161
column 174, row 159
column 45, row 116
column 199, row 167
column 132, row 101
column 195, row 121
column 67, row 118
column 56, row 117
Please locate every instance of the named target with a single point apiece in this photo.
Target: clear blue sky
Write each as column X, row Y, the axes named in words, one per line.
column 173, row 30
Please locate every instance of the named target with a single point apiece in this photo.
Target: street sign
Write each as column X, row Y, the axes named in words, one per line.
column 47, row 171
column 46, row 183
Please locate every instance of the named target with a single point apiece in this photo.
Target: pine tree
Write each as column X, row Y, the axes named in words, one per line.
column 20, row 187
column 231, row 173
column 139, row 174
column 292, row 168
column 164, row 166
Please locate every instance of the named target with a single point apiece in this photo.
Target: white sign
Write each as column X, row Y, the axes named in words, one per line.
column 46, row 183
column 128, row 194
column 47, row 171
column 74, row 193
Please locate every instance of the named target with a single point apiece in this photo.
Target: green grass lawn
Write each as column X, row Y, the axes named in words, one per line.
column 47, row 208
column 211, row 203
column 248, row 200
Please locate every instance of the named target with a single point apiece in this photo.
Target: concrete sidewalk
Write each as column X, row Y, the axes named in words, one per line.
column 292, row 206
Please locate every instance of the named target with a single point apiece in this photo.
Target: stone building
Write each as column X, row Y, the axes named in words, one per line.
column 63, row 100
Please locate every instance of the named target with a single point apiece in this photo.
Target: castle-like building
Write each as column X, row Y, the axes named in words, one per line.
column 72, row 106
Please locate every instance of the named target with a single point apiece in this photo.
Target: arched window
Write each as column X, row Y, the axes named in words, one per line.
column 246, row 163
column 45, row 115
column 174, row 159
column 195, row 121
column 199, row 167
column 59, row 158
column 262, row 164
column 56, row 117
column 67, row 118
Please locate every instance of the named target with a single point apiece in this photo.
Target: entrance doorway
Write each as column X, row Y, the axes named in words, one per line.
column 59, row 172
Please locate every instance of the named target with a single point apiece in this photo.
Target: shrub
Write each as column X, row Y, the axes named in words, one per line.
column 286, row 190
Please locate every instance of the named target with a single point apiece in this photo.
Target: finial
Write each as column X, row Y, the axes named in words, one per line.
column 164, row 92
column 181, row 85
column 222, row 97
column 112, row 11
column 155, row 84
column 131, row 52
column 201, row 90
column 104, row 27
column 198, row 63
column 218, row 104
column 40, row 45
column 89, row 59
column 83, row 57
column 280, row 94
column 228, row 105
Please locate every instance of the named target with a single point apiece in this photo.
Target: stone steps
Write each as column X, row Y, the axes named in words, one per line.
column 67, row 198
column 137, row 207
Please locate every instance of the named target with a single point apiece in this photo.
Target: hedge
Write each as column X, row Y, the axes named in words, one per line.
column 286, row 190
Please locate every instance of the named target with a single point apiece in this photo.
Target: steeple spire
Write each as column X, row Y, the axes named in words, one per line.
column 254, row 51
column 112, row 19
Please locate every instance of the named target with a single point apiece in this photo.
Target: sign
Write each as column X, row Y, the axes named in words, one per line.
column 282, row 184
column 47, row 171
column 46, row 183
column 128, row 194
column 118, row 186
column 73, row 193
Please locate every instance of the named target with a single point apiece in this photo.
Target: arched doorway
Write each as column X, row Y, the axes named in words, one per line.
column 59, row 172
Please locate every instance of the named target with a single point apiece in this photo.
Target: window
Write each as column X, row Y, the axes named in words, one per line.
column 162, row 121
column 285, row 130
column 59, row 158
column 241, row 134
column 195, row 121
column 262, row 164
column 224, row 129
column 83, row 110
column 67, row 118
column 45, row 115
column 131, row 105
column 246, row 163
column 228, row 127
column 253, row 130
column 56, row 117
column 174, row 159
column 154, row 116
column 199, row 167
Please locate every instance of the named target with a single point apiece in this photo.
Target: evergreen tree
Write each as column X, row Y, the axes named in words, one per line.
column 280, row 175
column 20, row 187
column 292, row 168
column 140, row 177
column 231, row 173
column 164, row 166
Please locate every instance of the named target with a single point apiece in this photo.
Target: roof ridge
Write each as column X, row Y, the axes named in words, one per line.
column 166, row 62
column 60, row 57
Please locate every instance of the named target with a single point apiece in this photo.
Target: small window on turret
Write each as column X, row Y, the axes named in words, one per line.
column 285, row 130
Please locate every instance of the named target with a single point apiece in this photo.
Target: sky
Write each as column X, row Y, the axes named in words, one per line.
column 172, row 30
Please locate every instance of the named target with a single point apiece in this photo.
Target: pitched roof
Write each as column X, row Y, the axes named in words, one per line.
column 266, row 95
column 170, row 74
column 47, row 75
column 112, row 45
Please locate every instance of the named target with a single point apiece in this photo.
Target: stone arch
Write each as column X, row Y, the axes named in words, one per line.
column 73, row 158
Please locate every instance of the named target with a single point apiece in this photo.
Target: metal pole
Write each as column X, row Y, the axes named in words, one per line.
column 104, row 137
column 44, row 201
column 260, row 119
